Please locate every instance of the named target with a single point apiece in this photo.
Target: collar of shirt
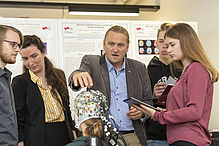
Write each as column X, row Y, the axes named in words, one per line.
column 53, row 109
column 37, row 80
column 5, row 71
column 110, row 66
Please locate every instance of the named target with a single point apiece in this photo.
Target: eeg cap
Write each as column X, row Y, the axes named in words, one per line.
column 89, row 104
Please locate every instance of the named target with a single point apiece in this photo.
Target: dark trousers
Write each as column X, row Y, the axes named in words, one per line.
column 182, row 143
column 56, row 134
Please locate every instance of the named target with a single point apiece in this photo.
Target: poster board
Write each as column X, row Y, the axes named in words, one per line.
column 81, row 37
column 144, row 36
column 46, row 29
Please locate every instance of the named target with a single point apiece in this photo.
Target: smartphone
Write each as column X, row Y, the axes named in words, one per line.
column 135, row 101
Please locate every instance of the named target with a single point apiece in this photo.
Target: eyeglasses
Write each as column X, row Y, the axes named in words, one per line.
column 14, row 44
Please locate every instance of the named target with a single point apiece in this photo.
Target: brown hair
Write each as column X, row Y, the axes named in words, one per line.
column 5, row 28
column 118, row 29
column 163, row 27
column 192, row 47
column 94, row 127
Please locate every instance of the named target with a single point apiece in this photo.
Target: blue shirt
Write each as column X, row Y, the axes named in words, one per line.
column 118, row 108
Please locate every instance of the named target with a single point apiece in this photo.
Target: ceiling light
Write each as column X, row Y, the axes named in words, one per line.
column 103, row 13
column 108, row 10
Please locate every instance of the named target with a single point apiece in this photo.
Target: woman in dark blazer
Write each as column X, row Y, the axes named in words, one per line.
column 41, row 99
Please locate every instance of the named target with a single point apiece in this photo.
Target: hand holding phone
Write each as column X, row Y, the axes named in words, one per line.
column 158, row 89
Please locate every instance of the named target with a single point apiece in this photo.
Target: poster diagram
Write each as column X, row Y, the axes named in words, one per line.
column 148, row 47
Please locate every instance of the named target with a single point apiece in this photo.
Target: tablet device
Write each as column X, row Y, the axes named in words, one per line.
column 135, row 101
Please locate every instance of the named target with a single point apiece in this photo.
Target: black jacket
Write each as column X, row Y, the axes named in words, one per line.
column 159, row 72
column 31, row 112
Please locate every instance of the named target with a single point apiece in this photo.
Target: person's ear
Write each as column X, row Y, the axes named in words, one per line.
column 44, row 52
column 127, row 48
column 104, row 44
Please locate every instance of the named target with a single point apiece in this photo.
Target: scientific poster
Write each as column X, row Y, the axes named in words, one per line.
column 80, row 37
column 144, row 36
column 46, row 29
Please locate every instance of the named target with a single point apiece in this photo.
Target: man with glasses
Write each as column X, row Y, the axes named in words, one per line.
column 11, row 40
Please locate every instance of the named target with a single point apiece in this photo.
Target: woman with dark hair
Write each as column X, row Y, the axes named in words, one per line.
column 189, row 102
column 41, row 99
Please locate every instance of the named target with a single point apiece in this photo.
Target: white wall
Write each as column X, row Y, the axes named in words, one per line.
column 203, row 11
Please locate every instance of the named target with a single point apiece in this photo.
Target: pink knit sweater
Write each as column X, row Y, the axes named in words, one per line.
column 189, row 106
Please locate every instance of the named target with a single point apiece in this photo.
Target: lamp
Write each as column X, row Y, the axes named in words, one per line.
column 109, row 10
